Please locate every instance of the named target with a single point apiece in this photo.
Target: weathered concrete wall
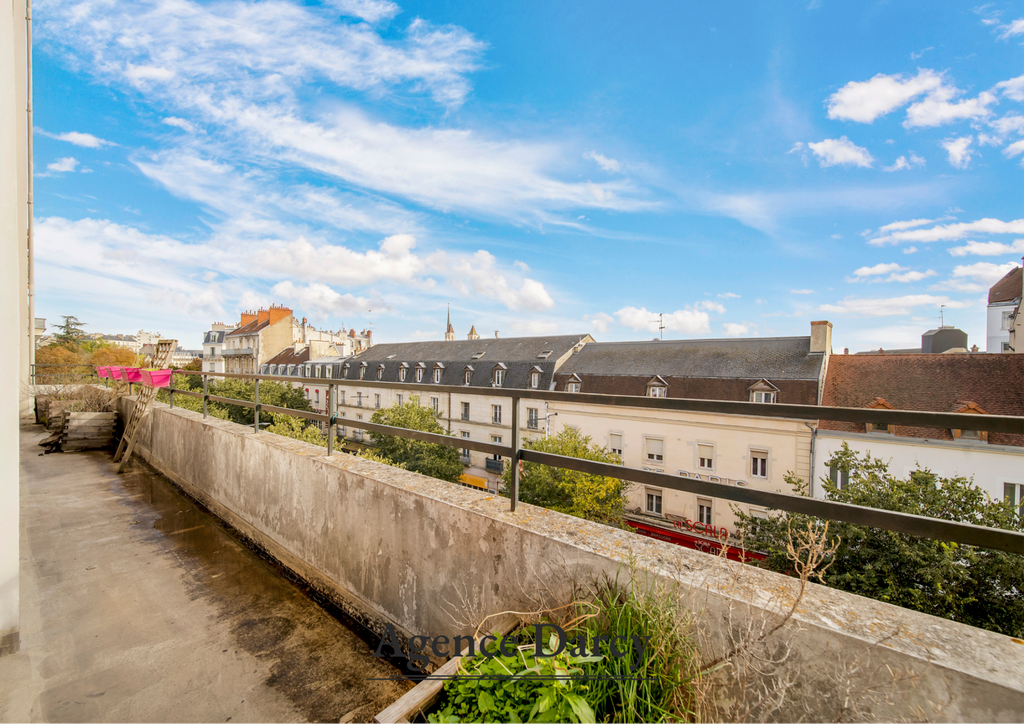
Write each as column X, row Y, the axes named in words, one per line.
column 389, row 545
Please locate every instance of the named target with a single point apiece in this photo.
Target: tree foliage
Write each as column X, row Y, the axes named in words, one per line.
column 976, row 586
column 295, row 428
column 271, row 393
column 68, row 360
column 70, row 332
column 593, row 497
column 113, row 355
column 437, row 461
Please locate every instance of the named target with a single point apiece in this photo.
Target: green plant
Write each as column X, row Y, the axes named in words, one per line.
column 518, row 688
column 437, row 461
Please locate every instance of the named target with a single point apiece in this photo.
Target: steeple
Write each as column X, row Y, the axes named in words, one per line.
column 472, row 333
column 449, row 334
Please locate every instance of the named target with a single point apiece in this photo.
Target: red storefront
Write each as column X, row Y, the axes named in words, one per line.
column 709, row 542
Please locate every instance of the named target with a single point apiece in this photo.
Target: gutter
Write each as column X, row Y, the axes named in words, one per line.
column 814, row 436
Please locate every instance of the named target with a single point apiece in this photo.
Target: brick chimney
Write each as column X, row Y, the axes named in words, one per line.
column 278, row 312
column 246, row 318
column 263, row 315
column 821, row 337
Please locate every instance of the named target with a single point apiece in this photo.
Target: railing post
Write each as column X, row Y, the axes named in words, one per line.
column 330, row 419
column 206, row 395
column 256, row 410
column 514, row 488
column 170, row 390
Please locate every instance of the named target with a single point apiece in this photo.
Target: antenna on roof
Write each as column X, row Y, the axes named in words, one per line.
column 661, row 325
column 942, row 320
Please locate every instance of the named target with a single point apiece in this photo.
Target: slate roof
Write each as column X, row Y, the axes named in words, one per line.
column 214, row 338
column 519, row 355
column 1007, row 289
column 927, row 382
column 773, row 358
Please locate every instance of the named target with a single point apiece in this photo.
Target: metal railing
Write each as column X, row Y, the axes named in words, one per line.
column 494, row 466
column 966, row 533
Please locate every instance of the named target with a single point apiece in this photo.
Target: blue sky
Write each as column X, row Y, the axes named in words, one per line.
column 541, row 167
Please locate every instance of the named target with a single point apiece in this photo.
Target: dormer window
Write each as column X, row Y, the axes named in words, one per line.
column 880, row 403
column 535, row 377
column 438, row 369
column 403, row 369
column 970, row 408
column 574, row 384
column 362, row 370
column 380, row 372
column 478, row 355
column 344, row 370
column 419, row 371
column 467, row 375
column 657, row 387
column 763, row 391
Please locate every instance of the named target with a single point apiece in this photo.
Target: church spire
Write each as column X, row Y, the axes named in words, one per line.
column 449, row 333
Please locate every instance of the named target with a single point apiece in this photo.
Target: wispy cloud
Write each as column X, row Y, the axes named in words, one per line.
column 85, row 140
column 690, row 320
column 890, row 306
column 63, row 165
column 947, row 232
column 840, row 152
column 988, row 248
column 864, row 101
column 608, row 164
column 959, row 151
column 372, row 11
column 903, row 164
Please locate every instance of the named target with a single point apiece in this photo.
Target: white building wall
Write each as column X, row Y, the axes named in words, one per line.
column 735, row 440
column 991, row 466
column 998, row 332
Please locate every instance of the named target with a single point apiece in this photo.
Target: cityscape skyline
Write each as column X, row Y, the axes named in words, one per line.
column 543, row 170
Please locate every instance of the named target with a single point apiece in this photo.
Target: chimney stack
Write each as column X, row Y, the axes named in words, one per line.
column 495, row 334
column 246, row 318
column 821, row 337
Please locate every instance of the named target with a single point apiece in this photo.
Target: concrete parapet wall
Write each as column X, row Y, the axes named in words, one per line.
column 393, row 546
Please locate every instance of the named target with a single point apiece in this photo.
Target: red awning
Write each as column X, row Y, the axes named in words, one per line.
column 705, row 545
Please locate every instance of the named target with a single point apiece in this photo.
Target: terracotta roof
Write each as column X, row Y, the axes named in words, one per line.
column 1007, row 289
column 289, row 357
column 253, row 326
column 927, row 382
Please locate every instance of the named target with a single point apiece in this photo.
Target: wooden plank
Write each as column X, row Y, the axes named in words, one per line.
column 422, row 696
column 93, row 415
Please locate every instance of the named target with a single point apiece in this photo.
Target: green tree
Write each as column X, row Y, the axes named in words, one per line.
column 976, row 586
column 271, row 393
column 108, row 355
column 70, row 332
column 593, row 497
column 295, row 428
column 437, row 461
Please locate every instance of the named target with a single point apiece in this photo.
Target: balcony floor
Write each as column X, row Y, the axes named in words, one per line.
column 137, row 606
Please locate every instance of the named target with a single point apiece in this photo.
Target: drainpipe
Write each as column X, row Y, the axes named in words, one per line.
column 30, row 190
column 810, row 482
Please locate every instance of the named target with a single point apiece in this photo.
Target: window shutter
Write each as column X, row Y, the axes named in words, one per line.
column 705, row 451
column 615, row 441
column 655, row 447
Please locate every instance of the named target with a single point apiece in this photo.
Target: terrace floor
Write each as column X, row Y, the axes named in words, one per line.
column 136, row 605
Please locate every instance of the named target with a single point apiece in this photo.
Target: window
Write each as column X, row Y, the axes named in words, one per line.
column 380, row 372
column 839, row 478
column 400, row 399
column 878, row 427
column 657, row 391
column 655, row 448
column 307, row 393
column 499, row 377
column 704, row 511
column 467, row 377
column 1014, row 495
column 465, row 410
column 1007, row 321
column 705, row 456
column 531, row 418
column 970, row 434
column 496, row 439
column 762, row 396
column 759, row 464
column 342, row 401
column 535, row 380
column 654, row 502
column 496, row 414
column 317, row 393
column 437, row 375
column 615, row 442
column 359, row 399
column 376, row 401
column 465, row 450
column 401, row 374
column 359, row 433
column 362, row 372
column 572, row 387
column 419, row 374
column 435, row 404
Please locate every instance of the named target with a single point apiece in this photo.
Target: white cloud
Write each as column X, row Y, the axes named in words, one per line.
column 690, row 321
column 915, row 56
column 891, row 306
column 1012, row 89
column 1014, row 149
column 951, row 232
column 900, row 225
column 896, row 273
column 801, row 291
column 372, row 11
column 1013, row 28
column 902, row 164
column 866, row 271
column 936, row 109
column 180, row 123
column 988, row 248
column 910, row 276
column 959, row 151
column 710, row 306
column 608, row 164
column 864, row 101
column 321, row 301
column 910, row 250
column 63, row 165
column 86, row 140
column 840, row 152
column 729, row 295
column 334, row 264
column 735, row 330
column 984, row 272
column 600, row 323
column 1008, row 124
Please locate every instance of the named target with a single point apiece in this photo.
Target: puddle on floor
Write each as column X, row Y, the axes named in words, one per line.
column 318, row 658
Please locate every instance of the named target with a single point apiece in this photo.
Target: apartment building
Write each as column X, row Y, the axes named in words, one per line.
column 730, row 450
column 213, row 347
column 497, row 364
column 1004, row 299
column 979, row 384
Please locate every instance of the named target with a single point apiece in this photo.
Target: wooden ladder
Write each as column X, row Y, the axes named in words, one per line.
column 161, row 360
